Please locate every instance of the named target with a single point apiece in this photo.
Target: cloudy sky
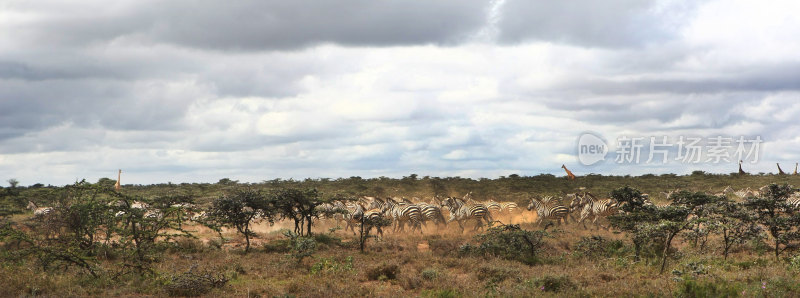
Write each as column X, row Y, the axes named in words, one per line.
column 195, row 91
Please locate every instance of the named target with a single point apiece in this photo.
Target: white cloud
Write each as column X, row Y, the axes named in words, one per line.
column 168, row 108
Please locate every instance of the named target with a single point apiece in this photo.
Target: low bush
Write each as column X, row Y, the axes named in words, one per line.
column 429, row 274
column 194, row 282
column 509, row 242
column 695, row 288
column 383, row 272
column 496, row 273
column 550, row 283
column 595, row 246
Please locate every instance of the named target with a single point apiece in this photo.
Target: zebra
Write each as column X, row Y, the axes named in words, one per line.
column 594, row 207
column 494, row 207
column 793, row 202
column 546, row 209
column 39, row 211
column 369, row 216
column 461, row 211
column 353, row 215
column 431, row 212
column 509, row 207
column 401, row 213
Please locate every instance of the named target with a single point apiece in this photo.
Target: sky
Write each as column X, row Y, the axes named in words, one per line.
column 195, row 91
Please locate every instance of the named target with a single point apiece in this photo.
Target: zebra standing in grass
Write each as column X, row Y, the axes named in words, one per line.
column 400, row 213
column 548, row 209
column 594, row 207
column 39, row 211
column 461, row 211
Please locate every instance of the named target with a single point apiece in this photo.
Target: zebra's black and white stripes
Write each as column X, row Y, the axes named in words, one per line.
column 460, row 211
column 548, row 208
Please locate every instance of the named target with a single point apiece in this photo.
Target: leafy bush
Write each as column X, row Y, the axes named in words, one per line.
column 598, row 246
column 429, row 273
column 442, row 293
column 331, row 265
column 550, row 283
column 301, row 246
column 383, row 272
column 695, row 288
column 496, row 273
column 194, row 282
column 508, row 242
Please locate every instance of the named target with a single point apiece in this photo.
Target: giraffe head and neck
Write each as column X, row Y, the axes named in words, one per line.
column 118, row 186
column 570, row 176
column 780, row 171
column 741, row 172
column 795, row 169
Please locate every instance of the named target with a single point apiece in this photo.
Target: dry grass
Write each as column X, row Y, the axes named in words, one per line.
column 421, row 265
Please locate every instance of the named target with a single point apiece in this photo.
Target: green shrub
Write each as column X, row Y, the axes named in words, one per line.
column 442, row 293
column 509, row 242
column 695, row 288
column 328, row 239
column 496, row 274
column 331, row 265
column 429, row 274
column 550, row 283
column 598, row 246
column 383, row 272
column 194, row 282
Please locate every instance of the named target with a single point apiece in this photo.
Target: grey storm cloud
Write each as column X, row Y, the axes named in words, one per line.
column 286, row 25
column 259, row 25
column 616, row 23
column 264, row 89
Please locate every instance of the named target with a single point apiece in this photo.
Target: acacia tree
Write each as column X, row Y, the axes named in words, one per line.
column 142, row 228
column 735, row 224
column 773, row 212
column 675, row 218
column 298, row 205
column 238, row 210
column 635, row 214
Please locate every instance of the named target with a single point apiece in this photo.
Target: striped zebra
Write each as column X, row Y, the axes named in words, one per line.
column 548, row 209
column 39, row 211
column 494, row 207
column 509, row 207
column 501, row 209
column 400, row 213
column 648, row 202
column 370, row 216
column 461, row 212
column 594, row 207
column 432, row 213
column 352, row 216
column 794, row 202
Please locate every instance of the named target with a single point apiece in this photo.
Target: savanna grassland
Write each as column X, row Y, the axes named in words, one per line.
column 184, row 258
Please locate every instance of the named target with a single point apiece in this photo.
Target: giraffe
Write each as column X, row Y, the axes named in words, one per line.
column 780, row 172
column 570, row 176
column 117, row 186
column 795, row 169
column 741, row 172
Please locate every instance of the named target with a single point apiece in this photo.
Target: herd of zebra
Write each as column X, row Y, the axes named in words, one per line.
column 417, row 213
column 580, row 207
